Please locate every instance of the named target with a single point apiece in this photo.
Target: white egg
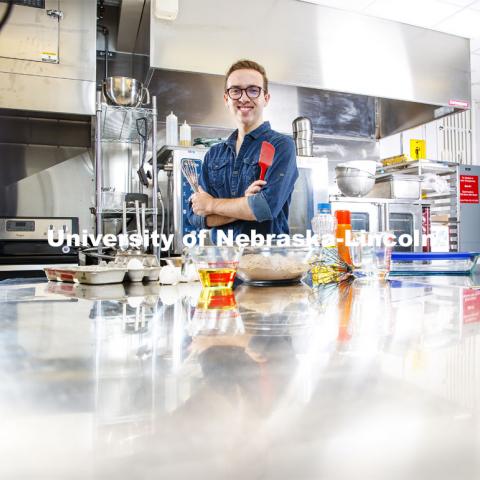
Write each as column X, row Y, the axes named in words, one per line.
column 134, row 264
column 169, row 275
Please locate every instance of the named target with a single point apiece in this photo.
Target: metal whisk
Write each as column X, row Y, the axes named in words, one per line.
column 189, row 169
column 329, row 267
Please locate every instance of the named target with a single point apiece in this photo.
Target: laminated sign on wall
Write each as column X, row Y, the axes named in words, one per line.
column 469, row 189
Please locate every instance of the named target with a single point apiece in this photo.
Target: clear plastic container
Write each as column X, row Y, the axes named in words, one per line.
column 185, row 135
column 172, row 130
column 324, row 225
column 438, row 263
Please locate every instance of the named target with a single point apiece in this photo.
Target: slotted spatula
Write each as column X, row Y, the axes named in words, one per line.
column 267, row 152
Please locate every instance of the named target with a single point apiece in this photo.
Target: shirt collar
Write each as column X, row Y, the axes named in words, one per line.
column 232, row 140
column 264, row 127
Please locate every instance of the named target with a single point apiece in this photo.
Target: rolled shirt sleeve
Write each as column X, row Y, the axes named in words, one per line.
column 280, row 178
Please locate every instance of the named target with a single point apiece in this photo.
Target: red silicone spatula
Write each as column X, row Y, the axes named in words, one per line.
column 267, row 152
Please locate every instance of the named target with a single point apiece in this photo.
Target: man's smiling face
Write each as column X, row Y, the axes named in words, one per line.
column 248, row 112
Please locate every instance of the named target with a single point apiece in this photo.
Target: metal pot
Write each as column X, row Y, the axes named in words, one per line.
column 303, row 135
column 125, row 92
column 301, row 124
column 300, row 143
column 305, row 152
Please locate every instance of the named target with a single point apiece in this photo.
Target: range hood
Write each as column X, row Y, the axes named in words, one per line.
column 412, row 75
column 47, row 57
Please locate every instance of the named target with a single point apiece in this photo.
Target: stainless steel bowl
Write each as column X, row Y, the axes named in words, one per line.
column 301, row 123
column 125, row 91
column 353, row 182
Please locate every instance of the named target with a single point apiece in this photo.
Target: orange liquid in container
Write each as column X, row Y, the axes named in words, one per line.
column 217, row 277
column 217, row 298
column 344, row 226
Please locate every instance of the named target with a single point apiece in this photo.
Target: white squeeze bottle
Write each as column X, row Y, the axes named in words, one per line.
column 185, row 135
column 324, row 224
column 172, row 130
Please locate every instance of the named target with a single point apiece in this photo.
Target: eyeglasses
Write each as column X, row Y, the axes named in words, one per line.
column 235, row 93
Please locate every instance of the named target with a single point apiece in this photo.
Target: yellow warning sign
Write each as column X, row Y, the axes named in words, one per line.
column 418, row 149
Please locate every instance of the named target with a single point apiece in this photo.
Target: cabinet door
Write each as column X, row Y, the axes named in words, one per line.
column 30, row 33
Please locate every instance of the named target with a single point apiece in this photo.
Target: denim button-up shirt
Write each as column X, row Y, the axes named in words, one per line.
column 225, row 174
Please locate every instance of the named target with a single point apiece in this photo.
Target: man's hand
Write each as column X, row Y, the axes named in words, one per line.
column 255, row 187
column 202, row 203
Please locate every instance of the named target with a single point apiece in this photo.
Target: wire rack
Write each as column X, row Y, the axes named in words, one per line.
column 128, row 125
column 442, row 204
column 123, row 124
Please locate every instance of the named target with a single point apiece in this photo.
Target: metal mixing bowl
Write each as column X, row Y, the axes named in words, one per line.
column 353, row 182
column 123, row 91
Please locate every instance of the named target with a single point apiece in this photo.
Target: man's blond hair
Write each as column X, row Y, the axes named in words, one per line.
column 245, row 64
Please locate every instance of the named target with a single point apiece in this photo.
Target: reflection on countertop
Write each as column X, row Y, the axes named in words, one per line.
column 372, row 379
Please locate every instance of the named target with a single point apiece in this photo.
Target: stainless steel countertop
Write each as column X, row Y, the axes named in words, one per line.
column 373, row 380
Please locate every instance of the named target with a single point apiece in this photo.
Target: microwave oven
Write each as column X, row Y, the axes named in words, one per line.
column 383, row 214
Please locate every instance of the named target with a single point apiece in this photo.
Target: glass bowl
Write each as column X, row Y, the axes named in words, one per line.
column 270, row 265
column 216, row 266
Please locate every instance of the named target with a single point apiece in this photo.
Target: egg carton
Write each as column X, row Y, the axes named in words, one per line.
column 147, row 259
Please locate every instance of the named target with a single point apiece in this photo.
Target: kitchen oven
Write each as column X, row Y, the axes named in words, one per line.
column 382, row 214
column 24, row 247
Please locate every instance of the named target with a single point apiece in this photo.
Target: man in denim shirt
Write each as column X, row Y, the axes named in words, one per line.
column 231, row 196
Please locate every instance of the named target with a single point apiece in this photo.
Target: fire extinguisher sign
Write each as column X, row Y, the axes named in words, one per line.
column 469, row 189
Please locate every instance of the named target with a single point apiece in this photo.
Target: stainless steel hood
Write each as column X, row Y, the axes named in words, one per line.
column 415, row 75
column 47, row 57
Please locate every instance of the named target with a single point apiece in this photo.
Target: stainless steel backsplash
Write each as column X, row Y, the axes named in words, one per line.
column 47, row 163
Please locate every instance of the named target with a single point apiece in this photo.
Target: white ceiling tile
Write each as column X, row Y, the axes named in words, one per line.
column 465, row 23
column 475, row 62
column 475, row 5
column 475, row 78
column 474, row 44
column 353, row 5
column 476, row 92
column 460, row 3
column 423, row 13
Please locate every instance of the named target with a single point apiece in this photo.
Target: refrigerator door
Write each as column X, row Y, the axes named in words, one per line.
column 310, row 189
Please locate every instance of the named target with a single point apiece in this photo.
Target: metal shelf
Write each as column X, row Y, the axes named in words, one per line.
column 150, row 211
column 130, row 125
column 421, row 166
column 119, row 124
column 441, row 203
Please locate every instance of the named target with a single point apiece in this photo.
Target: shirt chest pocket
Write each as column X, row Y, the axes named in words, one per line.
column 251, row 169
column 217, row 172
